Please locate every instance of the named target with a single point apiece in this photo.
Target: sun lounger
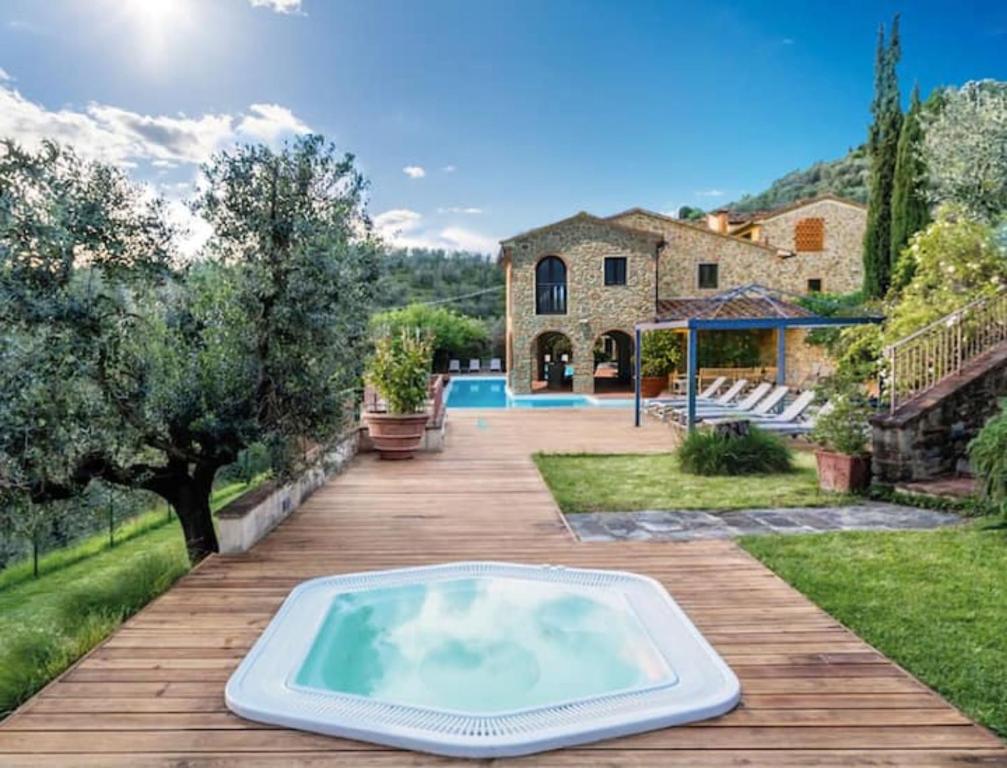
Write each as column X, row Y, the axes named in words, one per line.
column 763, row 408
column 495, row 366
column 793, row 427
column 454, row 366
column 745, row 405
column 706, row 395
column 475, row 365
column 661, row 409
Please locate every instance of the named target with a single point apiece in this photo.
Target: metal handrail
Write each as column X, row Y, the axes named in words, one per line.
column 926, row 357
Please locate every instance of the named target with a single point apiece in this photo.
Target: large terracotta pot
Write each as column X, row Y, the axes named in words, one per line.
column 395, row 436
column 842, row 473
column 652, row 386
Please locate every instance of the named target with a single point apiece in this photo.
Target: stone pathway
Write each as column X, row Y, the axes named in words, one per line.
column 683, row 525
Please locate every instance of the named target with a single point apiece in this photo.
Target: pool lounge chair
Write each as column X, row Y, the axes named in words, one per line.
column 746, row 408
column 475, row 365
column 744, row 405
column 495, row 366
column 662, row 409
column 454, row 366
column 794, row 427
column 706, row 395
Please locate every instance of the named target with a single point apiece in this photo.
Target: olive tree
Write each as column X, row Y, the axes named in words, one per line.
column 148, row 373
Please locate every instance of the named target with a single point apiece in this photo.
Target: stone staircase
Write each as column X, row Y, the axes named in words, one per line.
column 945, row 382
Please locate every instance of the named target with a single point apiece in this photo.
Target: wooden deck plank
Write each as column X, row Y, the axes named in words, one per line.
column 813, row 693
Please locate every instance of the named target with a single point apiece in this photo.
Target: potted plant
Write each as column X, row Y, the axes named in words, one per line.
column 399, row 371
column 660, row 354
column 843, row 461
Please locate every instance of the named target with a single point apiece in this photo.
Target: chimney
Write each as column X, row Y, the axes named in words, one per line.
column 717, row 221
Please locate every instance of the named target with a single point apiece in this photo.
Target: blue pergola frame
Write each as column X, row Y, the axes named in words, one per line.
column 694, row 325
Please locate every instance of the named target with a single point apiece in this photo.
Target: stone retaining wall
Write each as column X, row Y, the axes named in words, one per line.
column 928, row 437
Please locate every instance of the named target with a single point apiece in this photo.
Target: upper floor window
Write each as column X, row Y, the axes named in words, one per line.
column 550, row 287
column 809, row 235
column 708, row 275
column 815, row 285
column 615, row 270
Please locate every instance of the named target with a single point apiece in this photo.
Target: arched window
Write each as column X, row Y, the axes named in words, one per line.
column 550, row 287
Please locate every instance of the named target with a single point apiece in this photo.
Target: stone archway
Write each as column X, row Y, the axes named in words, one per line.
column 552, row 362
column 613, row 361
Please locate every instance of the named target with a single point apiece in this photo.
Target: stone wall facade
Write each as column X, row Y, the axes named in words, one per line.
column 928, row 437
column 593, row 308
column 839, row 265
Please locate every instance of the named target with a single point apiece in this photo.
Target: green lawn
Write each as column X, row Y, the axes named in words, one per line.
column 934, row 601
column 84, row 592
column 626, row 482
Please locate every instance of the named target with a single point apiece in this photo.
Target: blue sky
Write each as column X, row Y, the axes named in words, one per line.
column 477, row 119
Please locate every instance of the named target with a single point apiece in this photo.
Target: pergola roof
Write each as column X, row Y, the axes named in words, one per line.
column 749, row 306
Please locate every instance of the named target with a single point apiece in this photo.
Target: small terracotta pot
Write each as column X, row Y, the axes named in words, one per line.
column 841, row 473
column 652, row 386
column 396, row 436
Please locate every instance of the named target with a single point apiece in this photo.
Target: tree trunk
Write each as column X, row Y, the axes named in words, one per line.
column 191, row 501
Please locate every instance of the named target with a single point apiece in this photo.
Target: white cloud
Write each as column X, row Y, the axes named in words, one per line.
column 267, row 122
column 124, row 137
column 279, row 6
column 415, row 171
column 4, row 77
column 460, row 209
column 788, row 41
column 710, row 193
column 449, row 168
column 405, row 228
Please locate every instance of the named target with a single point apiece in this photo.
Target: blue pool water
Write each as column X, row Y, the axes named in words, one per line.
column 482, row 645
column 491, row 392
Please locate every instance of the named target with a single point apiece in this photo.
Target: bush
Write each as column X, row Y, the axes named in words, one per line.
column 988, row 456
column 27, row 663
column 713, row 453
column 660, row 353
column 843, row 429
column 452, row 334
column 399, row 371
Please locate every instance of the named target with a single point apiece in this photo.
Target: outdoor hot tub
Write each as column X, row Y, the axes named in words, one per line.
column 481, row 659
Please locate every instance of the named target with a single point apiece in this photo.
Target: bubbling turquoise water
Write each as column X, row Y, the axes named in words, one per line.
column 482, row 646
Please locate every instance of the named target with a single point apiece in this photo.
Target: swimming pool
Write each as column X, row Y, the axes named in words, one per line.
column 481, row 659
column 492, row 392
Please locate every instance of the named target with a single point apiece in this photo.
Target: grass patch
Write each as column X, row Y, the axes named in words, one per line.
column 627, row 482
column 934, row 601
column 85, row 592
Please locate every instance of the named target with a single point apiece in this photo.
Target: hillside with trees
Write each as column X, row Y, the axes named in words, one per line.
column 420, row 275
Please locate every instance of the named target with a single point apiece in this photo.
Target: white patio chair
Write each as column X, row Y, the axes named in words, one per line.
column 454, row 366
column 495, row 366
column 475, row 365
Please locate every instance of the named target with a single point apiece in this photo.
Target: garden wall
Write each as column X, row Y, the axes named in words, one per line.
column 928, row 437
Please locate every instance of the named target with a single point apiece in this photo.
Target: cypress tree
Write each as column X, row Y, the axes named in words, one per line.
column 882, row 143
column 910, row 212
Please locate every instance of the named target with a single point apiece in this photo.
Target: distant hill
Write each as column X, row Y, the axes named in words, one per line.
column 846, row 177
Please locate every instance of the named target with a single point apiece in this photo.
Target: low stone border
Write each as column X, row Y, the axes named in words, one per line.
column 685, row 525
column 247, row 519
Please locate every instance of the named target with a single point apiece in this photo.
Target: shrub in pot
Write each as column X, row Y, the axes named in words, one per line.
column 660, row 356
column 399, row 371
column 843, row 461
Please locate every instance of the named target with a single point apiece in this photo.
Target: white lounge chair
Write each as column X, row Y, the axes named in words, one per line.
column 793, row 427
column 662, row 409
column 763, row 408
column 454, row 366
column 495, row 366
column 744, row 405
column 475, row 365
column 706, row 395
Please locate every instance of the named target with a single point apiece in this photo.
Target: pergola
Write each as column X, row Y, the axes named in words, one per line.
column 750, row 307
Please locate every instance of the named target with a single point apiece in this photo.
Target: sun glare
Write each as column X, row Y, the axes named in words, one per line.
column 156, row 25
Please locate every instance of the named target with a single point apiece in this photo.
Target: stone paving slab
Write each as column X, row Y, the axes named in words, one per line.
column 684, row 525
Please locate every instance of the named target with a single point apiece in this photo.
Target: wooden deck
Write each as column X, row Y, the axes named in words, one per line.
column 814, row 694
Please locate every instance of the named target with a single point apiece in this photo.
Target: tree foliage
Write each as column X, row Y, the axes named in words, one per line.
column 137, row 370
column 420, row 275
column 882, row 147
column 399, row 370
column 910, row 209
column 965, row 148
column 452, row 334
column 846, row 177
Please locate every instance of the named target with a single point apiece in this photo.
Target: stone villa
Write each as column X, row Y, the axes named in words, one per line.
column 582, row 283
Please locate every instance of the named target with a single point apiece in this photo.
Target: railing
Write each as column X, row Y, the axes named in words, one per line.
column 921, row 360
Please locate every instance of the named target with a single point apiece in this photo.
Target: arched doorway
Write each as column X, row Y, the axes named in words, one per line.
column 613, row 362
column 552, row 371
